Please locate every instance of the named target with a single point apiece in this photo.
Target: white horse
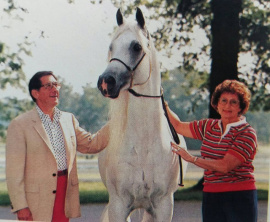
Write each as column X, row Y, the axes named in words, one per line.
column 137, row 167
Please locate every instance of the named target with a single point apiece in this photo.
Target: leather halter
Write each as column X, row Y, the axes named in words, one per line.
column 133, row 69
column 128, row 67
column 134, row 93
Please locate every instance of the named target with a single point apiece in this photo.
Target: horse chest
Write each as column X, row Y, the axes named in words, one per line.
column 141, row 167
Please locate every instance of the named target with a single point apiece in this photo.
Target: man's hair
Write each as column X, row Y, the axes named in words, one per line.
column 35, row 82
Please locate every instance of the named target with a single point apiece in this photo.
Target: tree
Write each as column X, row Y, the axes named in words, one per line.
column 180, row 19
column 223, row 16
column 90, row 108
column 10, row 108
column 225, row 44
column 11, row 74
column 11, row 69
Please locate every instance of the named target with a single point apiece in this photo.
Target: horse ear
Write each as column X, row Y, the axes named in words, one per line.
column 119, row 17
column 140, row 18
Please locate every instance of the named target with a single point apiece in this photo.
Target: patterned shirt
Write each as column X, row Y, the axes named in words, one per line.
column 55, row 134
column 238, row 139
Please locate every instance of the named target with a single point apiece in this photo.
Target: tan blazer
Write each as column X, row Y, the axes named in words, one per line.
column 31, row 167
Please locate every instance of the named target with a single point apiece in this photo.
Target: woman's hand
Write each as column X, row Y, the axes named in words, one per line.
column 224, row 165
column 183, row 153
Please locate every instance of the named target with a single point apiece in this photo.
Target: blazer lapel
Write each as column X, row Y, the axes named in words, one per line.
column 67, row 127
column 40, row 129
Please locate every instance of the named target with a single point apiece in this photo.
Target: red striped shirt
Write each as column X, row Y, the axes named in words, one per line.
column 240, row 140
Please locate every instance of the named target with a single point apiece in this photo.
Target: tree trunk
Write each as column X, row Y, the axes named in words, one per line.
column 225, row 43
column 225, row 48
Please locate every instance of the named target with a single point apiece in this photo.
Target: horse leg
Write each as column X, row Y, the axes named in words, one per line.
column 104, row 217
column 118, row 210
column 163, row 210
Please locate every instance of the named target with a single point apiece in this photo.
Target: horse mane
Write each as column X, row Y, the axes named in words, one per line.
column 118, row 120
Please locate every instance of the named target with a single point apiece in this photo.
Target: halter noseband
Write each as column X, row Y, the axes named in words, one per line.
column 128, row 67
column 132, row 72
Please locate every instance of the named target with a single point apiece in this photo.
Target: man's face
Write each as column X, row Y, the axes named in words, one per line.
column 48, row 95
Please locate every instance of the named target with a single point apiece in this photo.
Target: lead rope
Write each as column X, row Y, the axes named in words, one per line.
column 176, row 140
column 174, row 134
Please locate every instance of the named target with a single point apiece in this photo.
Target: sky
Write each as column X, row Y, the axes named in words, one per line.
column 71, row 40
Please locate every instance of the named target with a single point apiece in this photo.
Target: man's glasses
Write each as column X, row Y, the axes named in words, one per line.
column 232, row 102
column 50, row 85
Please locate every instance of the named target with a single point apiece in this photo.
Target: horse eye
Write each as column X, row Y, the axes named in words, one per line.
column 137, row 47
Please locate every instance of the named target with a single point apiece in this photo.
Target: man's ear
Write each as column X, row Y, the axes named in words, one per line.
column 35, row 93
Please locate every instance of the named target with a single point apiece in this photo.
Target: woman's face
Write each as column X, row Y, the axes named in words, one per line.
column 229, row 107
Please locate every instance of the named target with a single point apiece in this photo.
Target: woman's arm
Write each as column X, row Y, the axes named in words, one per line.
column 180, row 127
column 228, row 163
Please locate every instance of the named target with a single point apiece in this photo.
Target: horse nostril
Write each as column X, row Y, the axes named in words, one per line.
column 110, row 81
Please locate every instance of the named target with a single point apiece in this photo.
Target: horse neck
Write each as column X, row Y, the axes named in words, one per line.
column 143, row 115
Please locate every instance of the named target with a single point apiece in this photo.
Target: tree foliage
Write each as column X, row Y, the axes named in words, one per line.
column 180, row 19
column 186, row 88
column 9, row 109
column 11, row 62
column 90, row 108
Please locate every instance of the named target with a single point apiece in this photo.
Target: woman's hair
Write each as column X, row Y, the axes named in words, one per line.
column 234, row 87
column 35, row 82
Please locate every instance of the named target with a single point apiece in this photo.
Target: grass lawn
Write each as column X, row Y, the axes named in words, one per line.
column 95, row 192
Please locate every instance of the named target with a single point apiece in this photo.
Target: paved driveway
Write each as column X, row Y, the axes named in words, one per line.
column 186, row 211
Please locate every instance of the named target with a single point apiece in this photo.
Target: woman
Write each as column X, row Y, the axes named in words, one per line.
column 227, row 152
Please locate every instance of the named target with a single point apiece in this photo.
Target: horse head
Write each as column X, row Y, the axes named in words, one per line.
column 128, row 51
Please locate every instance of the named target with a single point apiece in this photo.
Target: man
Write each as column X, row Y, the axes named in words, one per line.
column 41, row 147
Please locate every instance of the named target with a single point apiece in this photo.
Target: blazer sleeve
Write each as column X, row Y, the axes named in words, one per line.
column 15, row 165
column 90, row 143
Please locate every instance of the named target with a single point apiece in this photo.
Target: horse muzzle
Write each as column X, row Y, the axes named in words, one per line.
column 108, row 87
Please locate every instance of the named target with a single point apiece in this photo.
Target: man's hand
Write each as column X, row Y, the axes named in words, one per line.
column 25, row 214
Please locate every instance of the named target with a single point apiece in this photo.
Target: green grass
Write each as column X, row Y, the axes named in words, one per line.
column 95, row 192
column 4, row 199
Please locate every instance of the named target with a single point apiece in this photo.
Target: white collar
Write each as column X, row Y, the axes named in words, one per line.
column 228, row 127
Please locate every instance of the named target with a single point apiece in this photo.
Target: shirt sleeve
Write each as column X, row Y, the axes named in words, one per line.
column 244, row 145
column 198, row 128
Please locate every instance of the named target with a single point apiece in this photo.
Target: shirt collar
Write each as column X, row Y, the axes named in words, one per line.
column 228, row 127
column 56, row 115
